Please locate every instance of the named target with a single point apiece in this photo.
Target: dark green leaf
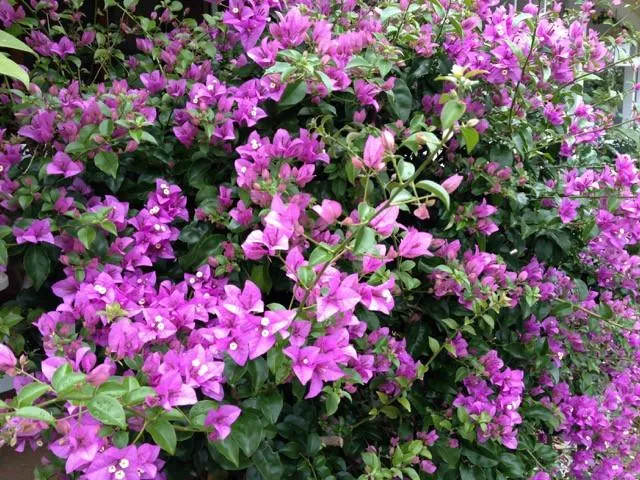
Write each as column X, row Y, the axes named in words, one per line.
column 267, row 462
column 37, row 265
column 403, row 100
column 164, row 435
column 247, row 432
column 482, row 459
column 261, row 277
column 294, row 93
column 511, row 464
column 229, row 449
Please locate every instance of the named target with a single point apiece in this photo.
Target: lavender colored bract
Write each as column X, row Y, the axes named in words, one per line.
column 320, row 239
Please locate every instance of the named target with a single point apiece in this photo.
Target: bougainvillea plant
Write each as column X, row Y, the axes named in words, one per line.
column 328, row 239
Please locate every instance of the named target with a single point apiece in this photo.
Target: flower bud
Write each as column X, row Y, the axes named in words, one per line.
column 388, row 141
column 452, row 183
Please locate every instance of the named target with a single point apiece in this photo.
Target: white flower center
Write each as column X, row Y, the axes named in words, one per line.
column 264, row 321
column 124, row 463
column 265, row 333
column 233, row 346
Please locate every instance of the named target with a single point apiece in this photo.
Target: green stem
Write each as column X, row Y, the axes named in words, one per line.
column 141, row 432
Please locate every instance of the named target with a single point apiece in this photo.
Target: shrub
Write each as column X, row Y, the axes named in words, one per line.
column 320, row 240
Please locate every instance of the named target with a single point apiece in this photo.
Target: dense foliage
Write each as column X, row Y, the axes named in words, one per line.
column 320, row 239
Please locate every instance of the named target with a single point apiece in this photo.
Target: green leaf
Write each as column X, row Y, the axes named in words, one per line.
column 471, row 137
column 365, row 240
column 293, row 94
column 450, row 455
column 107, row 410
column 113, row 388
column 11, row 69
column 31, row 392
column 467, row 472
column 137, row 396
column 403, row 100
column 37, row 265
column 434, row 345
column 258, row 373
column 229, row 449
column 247, row 432
column 121, row 439
column 436, row 190
column 4, row 255
column 260, row 276
column 107, row 162
column 35, row 413
column 267, row 462
column 164, row 435
column 9, row 41
column 540, row 412
column 270, row 405
column 451, row 113
column 324, row 78
column 511, row 464
column 479, row 458
column 208, row 246
column 86, row 235
column 332, row 402
column 319, row 255
column 65, row 378
column 411, row 473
